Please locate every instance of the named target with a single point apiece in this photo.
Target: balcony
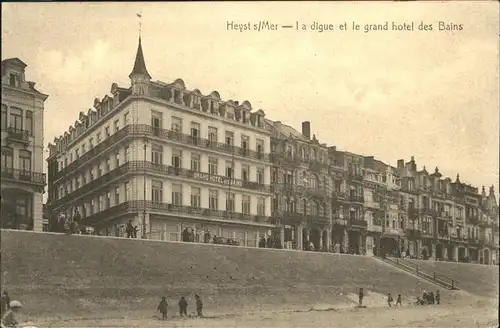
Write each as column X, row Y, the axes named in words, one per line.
column 372, row 205
column 356, row 176
column 473, row 219
column 429, row 211
column 143, row 130
column 18, row 135
column 413, row 233
column 317, row 218
column 165, row 208
column 291, row 217
column 316, row 192
column 337, row 221
column 142, row 166
column 356, row 223
column 356, row 199
column 23, row 176
column 317, row 166
column 340, row 195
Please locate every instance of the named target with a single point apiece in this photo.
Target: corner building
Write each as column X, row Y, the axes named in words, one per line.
column 23, row 181
column 168, row 159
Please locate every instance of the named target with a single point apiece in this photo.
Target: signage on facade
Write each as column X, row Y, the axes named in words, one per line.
column 217, row 179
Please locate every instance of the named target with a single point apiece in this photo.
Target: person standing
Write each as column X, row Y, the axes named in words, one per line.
column 199, row 305
column 129, row 229
column 183, row 305
column 361, row 295
column 438, row 297
column 398, row 301
column 389, row 300
column 162, row 307
column 5, row 303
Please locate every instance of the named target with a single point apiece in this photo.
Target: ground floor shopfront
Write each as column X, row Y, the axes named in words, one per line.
column 21, row 207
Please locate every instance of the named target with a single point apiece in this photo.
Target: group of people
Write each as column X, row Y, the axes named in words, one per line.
column 8, row 311
column 183, row 306
column 427, row 298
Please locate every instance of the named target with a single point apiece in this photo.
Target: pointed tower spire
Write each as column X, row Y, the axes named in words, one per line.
column 140, row 64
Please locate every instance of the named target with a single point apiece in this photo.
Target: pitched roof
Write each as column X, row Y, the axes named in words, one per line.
column 140, row 63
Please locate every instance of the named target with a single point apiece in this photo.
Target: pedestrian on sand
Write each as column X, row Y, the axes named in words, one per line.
column 361, row 295
column 162, row 307
column 389, row 300
column 9, row 319
column 438, row 297
column 5, row 303
column 399, row 300
column 199, row 305
column 183, row 305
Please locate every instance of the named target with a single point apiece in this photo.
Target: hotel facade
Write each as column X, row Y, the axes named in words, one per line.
column 170, row 159
column 22, row 178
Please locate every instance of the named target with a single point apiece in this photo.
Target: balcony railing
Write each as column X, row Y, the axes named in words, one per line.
column 340, row 195
column 141, row 166
column 23, row 175
column 473, row 218
column 356, row 198
column 15, row 134
column 140, row 206
column 356, row 176
column 143, row 130
column 357, row 223
column 317, row 218
column 317, row 192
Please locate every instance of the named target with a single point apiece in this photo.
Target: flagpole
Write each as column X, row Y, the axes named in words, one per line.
column 139, row 15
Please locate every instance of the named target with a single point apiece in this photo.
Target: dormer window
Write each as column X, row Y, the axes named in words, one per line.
column 15, row 80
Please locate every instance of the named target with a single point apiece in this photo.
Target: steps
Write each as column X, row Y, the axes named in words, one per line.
column 437, row 279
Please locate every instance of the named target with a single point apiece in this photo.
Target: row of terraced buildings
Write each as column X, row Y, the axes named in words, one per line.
column 169, row 159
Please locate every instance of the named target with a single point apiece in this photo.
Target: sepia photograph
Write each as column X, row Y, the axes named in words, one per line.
column 250, row 164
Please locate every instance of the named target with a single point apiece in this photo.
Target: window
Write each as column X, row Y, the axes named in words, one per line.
column 29, row 122
column 125, row 118
column 157, row 191
column 127, row 191
column 213, row 200
column 14, row 80
column 314, row 208
column 195, row 132
column 4, row 117
column 261, row 206
column 157, row 154
column 212, row 136
column 229, row 169
column 176, row 124
column 16, row 118
column 117, row 159
column 117, row 125
column 229, row 139
column 213, row 166
column 106, row 132
column 108, row 164
column 127, row 154
column 176, row 158
column 245, row 169
column 91, row 143
column 260, row 175
column 195, row 162
column 7, row 158
column 77, row 182
column 195, row 197
column 91, row 174
column 313, row 181
column 245, row 144
column 108, row 199
column 117, row 195
column 77, row 154
column 84, row 179
column 92, row 206
column 245, row 204
column 99, row 170
column 156, row 120
column 230, row 201
column 177, row 194
column 260, row 147
column 24, row 160
column 100, row 203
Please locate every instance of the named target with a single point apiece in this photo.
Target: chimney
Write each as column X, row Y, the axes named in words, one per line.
column 306, row 129
column 401, row 164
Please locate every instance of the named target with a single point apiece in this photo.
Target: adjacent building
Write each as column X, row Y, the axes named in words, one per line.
column 167, row 159
column 22, row 177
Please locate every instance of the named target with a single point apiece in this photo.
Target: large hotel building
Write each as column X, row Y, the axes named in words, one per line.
column 171, row 160
column 22, row 180
column 168, row 159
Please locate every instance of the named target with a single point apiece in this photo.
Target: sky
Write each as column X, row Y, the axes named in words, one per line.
column 390, row 94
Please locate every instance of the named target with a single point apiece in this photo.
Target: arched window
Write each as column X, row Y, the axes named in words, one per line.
column 313, row 181
column 24, row 160
column 7, row 158
column 313, row 155
column 314, row 208
column 303, row 153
